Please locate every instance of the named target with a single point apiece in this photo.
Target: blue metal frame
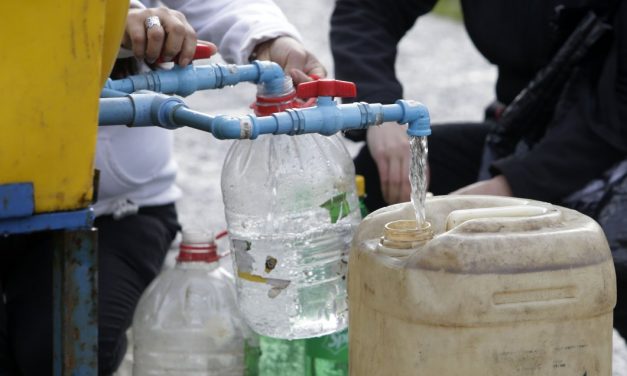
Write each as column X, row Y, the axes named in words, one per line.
column 71, row 220
column 74, row 284
column 75, row 303
column 16, row 200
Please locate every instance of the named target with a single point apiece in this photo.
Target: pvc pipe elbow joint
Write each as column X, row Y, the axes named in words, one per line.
column 269, row 71
column 416, row 115
column 162, row 108
column 233, row 128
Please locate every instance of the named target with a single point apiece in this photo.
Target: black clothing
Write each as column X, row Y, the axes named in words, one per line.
column 587, row 134
column 131, row 251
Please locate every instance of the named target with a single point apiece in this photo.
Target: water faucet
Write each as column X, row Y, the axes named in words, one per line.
column 327, row 117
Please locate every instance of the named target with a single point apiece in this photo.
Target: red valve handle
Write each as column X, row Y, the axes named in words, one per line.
column 326, row 88
column 203, row 51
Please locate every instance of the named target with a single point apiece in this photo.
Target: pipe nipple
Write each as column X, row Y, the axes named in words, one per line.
column 405, row 234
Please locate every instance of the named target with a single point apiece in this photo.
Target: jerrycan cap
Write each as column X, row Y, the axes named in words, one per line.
column 404, row 234
column 197, row 246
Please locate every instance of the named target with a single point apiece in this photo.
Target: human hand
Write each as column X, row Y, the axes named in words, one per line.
column 497, row 186
column 292, row 56
column 173, row 36
column 389, row 147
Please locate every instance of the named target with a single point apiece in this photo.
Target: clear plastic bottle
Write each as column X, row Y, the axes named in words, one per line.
column 291, row 210
column 187, row 322
column 328, row 355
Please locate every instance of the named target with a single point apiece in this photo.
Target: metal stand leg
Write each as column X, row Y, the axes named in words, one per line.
column 75, row 299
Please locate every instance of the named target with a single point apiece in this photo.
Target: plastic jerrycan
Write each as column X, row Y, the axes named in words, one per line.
column 495, row 286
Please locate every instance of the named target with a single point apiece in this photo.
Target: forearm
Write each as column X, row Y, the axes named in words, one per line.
column 364, row 38
column 560, row 164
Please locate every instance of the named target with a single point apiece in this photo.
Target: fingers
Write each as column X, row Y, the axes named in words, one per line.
column 155, row 36
column 295, row 59
column 389, row 147
column 181, row 39
column 317, row 69
column 394, row 181
column 292, row 56
column 171, row 36
column 135, row 33
column 383, row 168
column 298, row 77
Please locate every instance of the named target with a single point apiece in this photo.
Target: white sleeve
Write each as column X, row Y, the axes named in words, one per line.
column 235, row 26
column 135, row 4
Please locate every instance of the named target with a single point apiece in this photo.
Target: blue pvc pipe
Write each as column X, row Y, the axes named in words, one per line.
column 116, row 111
column 193, row 119
column 110, row 93
column 327, row 118
column 185, row 81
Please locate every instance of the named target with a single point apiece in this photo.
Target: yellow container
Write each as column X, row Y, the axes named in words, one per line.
column 495, row 286
column 55, row 57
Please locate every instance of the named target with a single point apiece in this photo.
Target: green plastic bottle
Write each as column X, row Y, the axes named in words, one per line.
column 252, row 353
column 281, row 357
column 321, row 356
column 327, row 355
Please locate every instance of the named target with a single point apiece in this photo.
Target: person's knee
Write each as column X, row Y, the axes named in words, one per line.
column 111, row 351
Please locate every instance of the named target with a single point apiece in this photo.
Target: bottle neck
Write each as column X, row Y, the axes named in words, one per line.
column 198, row 253
column 197, row 265
column 405, row 234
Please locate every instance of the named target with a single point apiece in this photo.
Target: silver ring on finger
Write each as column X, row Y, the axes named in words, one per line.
column 151, row 22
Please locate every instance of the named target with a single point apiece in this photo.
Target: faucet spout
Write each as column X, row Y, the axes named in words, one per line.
column 416, row 115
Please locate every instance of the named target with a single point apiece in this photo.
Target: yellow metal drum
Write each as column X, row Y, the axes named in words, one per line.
column 55, row 57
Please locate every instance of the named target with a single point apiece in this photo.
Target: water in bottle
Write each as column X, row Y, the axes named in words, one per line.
column 291, row 209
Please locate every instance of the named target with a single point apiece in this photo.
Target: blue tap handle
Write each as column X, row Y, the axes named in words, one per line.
column 185, row 81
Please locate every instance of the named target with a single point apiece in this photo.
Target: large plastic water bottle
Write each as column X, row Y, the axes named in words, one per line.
column 291, row 209
column 187, row 322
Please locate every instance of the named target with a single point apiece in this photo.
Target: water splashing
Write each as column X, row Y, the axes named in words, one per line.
column 418, row 176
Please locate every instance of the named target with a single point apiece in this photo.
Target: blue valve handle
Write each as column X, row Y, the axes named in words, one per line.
column 326, row 118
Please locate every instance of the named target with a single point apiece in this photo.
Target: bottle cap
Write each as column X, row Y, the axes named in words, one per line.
column 197, row 247
column 360, row 183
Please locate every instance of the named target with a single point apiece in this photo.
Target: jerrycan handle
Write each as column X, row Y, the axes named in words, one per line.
column 457, row 217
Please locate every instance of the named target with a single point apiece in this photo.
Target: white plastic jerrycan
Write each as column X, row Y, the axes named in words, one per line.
column 496, row 286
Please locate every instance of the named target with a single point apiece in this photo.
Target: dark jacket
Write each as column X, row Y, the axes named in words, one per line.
column 588, row 131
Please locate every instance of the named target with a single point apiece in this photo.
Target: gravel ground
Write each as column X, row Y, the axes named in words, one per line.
column 445, row 73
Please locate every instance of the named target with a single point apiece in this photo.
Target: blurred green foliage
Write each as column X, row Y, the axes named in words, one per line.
column 449, row 8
